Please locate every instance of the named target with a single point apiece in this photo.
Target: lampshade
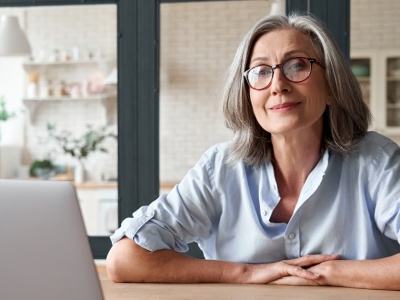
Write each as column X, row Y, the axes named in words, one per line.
column 278, row 7
column 13, row 41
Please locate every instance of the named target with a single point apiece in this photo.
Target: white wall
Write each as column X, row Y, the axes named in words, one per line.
column 374, row 24
column 198, row 42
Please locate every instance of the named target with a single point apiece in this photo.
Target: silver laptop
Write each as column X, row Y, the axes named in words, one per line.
column 44, row 250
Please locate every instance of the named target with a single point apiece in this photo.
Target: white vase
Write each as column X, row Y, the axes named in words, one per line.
column 0, row 130
column 79, row 173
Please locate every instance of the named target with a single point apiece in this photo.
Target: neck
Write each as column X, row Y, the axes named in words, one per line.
column 294, row 158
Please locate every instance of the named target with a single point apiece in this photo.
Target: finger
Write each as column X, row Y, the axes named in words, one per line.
column 310, row 260
column 293, row 280
column 290, row 270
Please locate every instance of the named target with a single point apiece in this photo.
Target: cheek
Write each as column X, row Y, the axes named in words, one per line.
column 326, row 99
column 324, row 94
column 317, row 93
column 257, row 99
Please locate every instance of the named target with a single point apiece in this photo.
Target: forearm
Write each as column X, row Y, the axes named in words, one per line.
column 370, row 274
column 128, row 262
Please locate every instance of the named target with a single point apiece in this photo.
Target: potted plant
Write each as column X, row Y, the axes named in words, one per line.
column 80, row 147
column 42, row 169
column 5, row 115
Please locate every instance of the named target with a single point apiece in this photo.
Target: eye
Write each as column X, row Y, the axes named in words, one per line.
column 263, row 71
column 296, row 65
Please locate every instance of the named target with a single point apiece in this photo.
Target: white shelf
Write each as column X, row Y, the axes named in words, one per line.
column 66, row 62
column 105, row 64
column 47, row 69
column 68, row 98
column 33, row 104
column 393, row 105
column 393, row 78
column 363, row 78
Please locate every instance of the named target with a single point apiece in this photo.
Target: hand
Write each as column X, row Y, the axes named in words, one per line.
column 290, row 271
column 323, row 269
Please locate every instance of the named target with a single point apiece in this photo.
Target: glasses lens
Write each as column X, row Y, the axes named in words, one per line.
column 297, row 69
column 259, row 77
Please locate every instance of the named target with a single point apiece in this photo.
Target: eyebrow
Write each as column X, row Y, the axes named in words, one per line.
column 287, row 54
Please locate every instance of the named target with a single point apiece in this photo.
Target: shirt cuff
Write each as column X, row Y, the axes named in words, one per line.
column 131, row 226
column 152, row 237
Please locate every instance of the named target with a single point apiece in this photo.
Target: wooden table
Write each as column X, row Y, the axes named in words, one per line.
column 139, row 291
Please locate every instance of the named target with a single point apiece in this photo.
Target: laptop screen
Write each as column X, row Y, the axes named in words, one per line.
column 45, row 252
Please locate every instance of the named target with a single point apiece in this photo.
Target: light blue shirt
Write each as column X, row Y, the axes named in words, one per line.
column 348, row 206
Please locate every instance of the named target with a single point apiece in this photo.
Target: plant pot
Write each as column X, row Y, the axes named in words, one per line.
column 79, row 173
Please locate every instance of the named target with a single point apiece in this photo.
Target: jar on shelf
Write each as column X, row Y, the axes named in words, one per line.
column 59, row 89
column 43, row 89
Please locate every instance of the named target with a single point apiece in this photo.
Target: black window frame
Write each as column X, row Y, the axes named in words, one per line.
column 138, row 90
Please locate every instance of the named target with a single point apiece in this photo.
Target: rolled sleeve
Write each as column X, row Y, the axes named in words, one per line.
column 131, row 226
column 152, row 237
column 385, row 190
column 187, row 214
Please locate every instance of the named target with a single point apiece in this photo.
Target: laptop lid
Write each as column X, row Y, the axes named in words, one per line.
column 44, row 250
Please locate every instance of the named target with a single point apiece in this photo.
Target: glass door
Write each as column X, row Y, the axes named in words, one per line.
column 62, row 101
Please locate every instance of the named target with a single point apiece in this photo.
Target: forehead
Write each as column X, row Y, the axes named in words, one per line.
column 280, row 43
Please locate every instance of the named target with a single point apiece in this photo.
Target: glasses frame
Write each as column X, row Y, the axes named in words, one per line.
column 280, row 66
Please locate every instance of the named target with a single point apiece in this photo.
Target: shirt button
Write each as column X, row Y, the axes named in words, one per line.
column 292, row 235
column 149, row 213
column 274, row 186
column 264, row 213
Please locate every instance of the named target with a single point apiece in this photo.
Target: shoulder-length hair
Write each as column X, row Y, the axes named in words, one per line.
column 345, row 120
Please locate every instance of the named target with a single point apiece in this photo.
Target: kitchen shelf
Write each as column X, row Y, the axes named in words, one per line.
column 393, row 105
column 66, row 62
column 363, row 78
column 106, row 64
column 393, row 78
column 68, row 98
column 33, row 104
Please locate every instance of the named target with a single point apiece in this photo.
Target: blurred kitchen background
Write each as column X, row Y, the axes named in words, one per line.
column 68, row 83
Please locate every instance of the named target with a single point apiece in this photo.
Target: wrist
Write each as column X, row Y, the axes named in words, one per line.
column 236, row 273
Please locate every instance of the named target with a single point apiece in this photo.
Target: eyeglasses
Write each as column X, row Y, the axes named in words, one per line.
column 295, row 69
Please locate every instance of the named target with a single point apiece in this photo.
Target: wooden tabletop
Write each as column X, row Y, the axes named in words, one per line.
column 122, row 291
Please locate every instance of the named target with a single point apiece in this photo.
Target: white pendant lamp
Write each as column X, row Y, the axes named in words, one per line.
column 13, row 41
column 278, row 7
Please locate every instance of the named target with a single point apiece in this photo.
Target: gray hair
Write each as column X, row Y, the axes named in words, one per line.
column 345, row 120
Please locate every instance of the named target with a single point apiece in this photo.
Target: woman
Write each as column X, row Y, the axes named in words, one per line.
column 303, row 195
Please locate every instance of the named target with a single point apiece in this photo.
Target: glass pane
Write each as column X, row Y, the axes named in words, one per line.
column 375, row 52
column 198, row 43
column 64, row 98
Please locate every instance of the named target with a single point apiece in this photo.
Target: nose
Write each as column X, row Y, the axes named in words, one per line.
column 279, row 84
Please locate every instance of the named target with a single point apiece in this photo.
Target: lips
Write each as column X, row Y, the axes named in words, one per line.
column 285, row 105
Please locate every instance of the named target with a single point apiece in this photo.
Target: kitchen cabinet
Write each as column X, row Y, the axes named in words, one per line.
column 99, row 207
column 380, row 87
column 360, row 62
column 10, row 160
column 77, row 80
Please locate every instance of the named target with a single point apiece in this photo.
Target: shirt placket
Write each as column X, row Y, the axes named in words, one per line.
column 292, row 234
column 292, row 238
